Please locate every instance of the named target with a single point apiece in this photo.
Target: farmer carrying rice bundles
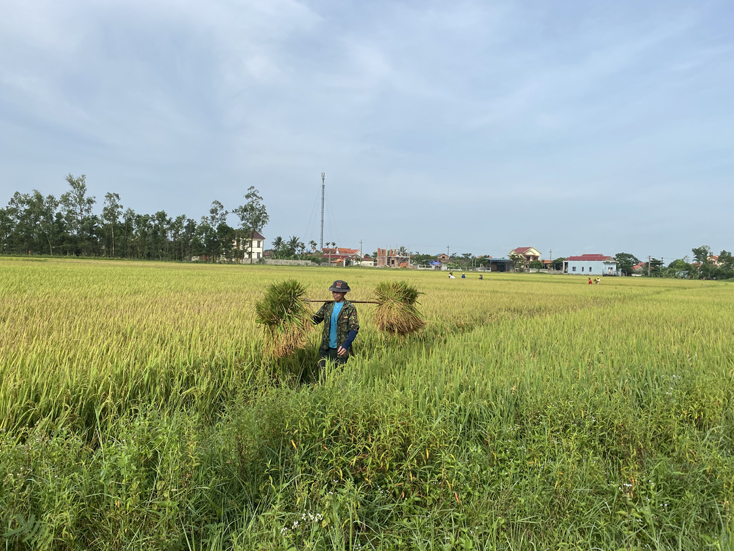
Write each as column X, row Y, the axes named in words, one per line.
column 340, row 325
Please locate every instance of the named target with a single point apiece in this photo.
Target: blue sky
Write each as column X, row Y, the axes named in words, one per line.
column 576, row 127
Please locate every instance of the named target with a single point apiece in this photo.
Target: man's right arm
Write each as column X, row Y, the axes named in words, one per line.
column 318, row 317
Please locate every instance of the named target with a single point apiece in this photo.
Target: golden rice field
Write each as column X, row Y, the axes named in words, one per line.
column 139, row 410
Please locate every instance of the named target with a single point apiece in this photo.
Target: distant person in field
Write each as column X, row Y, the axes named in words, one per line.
column 463, row 276
column 451, row 275
column 481, row 277
column 340, row 325
column 597, row 281
column 589, row 281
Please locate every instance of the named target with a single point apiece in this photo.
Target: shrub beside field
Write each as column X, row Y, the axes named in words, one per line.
column 137, row 410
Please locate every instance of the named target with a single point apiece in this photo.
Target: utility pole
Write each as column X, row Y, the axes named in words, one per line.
column 447, row 251
column 360, row 250
column 648, row 265
column 551, row 259
column 323, row 185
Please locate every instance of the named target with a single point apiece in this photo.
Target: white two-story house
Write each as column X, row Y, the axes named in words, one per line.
column 254, row 251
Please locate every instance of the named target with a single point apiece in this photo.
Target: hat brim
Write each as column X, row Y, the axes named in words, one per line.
column 338, row 290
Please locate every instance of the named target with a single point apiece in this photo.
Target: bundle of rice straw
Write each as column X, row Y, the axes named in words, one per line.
column 286, row 317
column 398, row 312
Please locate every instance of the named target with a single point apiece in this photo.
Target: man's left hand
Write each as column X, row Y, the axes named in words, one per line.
column 341, row 352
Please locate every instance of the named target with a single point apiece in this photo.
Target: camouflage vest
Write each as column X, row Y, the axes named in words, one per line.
column 346, row 321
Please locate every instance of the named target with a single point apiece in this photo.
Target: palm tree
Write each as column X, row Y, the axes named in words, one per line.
column 293, row 244
column 277, row 246
column 313, row 245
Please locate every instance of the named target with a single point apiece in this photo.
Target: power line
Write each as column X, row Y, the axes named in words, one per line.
column 306, row 234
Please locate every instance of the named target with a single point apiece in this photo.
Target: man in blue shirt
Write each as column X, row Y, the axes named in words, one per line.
column 340, row 325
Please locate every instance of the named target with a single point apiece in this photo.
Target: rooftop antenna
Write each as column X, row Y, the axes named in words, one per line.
column 323, row 184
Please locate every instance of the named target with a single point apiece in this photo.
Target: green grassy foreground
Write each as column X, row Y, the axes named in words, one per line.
column 137, row 411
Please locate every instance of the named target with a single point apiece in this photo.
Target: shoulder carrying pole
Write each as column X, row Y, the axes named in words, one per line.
column 352, row 301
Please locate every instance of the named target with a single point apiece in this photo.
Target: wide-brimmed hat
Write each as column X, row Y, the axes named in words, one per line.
column 339, row 286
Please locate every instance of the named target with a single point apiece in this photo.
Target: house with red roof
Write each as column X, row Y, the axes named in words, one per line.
column 530, row 254
column 341, row 255
column 590, row 265
column 367, row 262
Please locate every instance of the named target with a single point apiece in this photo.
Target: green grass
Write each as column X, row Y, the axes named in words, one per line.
column 532, row 412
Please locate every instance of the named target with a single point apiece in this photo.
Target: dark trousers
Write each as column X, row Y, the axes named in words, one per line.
column 329, row 354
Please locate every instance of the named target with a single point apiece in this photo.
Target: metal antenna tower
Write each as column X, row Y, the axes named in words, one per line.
column 323, row 184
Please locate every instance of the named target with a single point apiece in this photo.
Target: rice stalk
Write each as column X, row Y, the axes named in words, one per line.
column 398, row 312
column 286, row 317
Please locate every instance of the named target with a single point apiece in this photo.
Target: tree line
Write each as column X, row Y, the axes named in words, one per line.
column 703, row 265
column 36, row 224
